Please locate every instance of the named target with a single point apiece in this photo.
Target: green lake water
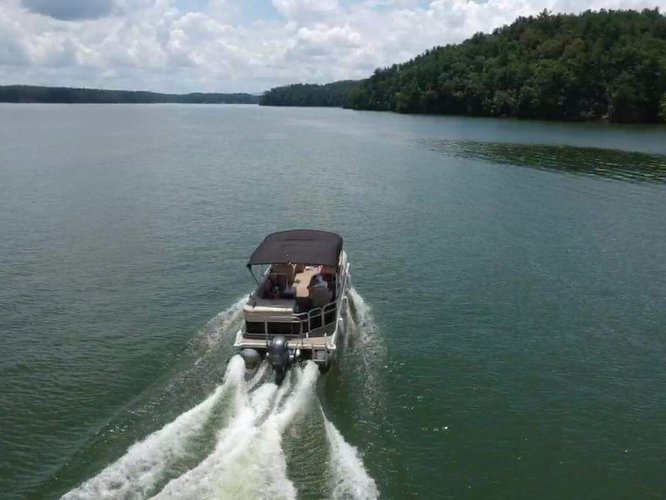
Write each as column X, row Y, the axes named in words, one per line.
column 509, row 298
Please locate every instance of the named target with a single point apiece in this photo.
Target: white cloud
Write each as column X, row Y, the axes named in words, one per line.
column 188, row 45
column 305, row 9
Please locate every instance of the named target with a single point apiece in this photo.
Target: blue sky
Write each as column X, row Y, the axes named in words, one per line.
column 259, row 10
column 239, row 45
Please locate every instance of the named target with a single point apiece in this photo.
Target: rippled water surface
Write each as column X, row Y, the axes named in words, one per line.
column 509, row 310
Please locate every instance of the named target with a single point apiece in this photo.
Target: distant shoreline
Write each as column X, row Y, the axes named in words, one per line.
column 33, row 94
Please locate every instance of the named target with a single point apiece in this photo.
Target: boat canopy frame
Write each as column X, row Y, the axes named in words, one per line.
column 299, row 246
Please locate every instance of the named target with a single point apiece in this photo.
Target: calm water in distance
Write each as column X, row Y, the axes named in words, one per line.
column 516, row 273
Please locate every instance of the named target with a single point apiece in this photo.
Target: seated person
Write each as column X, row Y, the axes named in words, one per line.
column 328, row 273
column 289, row 292
column 320, row 295
column 271, row 289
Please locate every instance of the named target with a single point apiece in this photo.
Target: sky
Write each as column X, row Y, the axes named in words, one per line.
column 239, row 45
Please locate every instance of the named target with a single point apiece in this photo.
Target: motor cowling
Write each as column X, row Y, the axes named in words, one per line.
column 278, row 356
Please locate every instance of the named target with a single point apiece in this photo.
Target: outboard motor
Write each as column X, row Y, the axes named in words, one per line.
column 278, row 355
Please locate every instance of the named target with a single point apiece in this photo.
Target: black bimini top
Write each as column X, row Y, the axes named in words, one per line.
column 299, row 246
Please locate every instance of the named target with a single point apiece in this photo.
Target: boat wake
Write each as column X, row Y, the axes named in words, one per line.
column 218, row 327
column 349, row 479
column 231, row 445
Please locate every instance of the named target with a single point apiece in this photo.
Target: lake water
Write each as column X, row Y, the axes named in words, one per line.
column 510, row 296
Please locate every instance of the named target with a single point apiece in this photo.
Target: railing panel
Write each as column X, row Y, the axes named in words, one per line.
column 301, row 324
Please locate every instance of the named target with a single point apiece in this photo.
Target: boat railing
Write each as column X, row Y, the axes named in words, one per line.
column 300, row 324
column 304, row 325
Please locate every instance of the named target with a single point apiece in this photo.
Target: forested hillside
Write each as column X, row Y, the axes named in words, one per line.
column 597, row 65
column 29, row 93
column 331, row 94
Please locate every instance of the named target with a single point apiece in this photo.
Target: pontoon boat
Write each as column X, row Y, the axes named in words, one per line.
column 299, row 307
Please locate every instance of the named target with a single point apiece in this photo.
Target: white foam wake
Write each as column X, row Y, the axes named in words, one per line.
column 248, row 460
column 362, row 322
column 137, row 472
column 348, row 477
column 246, row 457
column 364, row 331
column 217, row 328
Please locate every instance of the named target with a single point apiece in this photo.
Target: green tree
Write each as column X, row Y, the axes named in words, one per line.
column 626, row 104
column 596, row 65
column 662, row 108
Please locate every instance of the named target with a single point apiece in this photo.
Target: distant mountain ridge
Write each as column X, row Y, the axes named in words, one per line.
column 67, row 95
column 606, row 65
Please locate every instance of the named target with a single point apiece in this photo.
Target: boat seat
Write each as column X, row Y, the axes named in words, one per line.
column 320, row 296
column 257, row 309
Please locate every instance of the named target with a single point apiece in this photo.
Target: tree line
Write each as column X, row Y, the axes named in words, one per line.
column 605, row 65
column 36, row 94
column 332, row 94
